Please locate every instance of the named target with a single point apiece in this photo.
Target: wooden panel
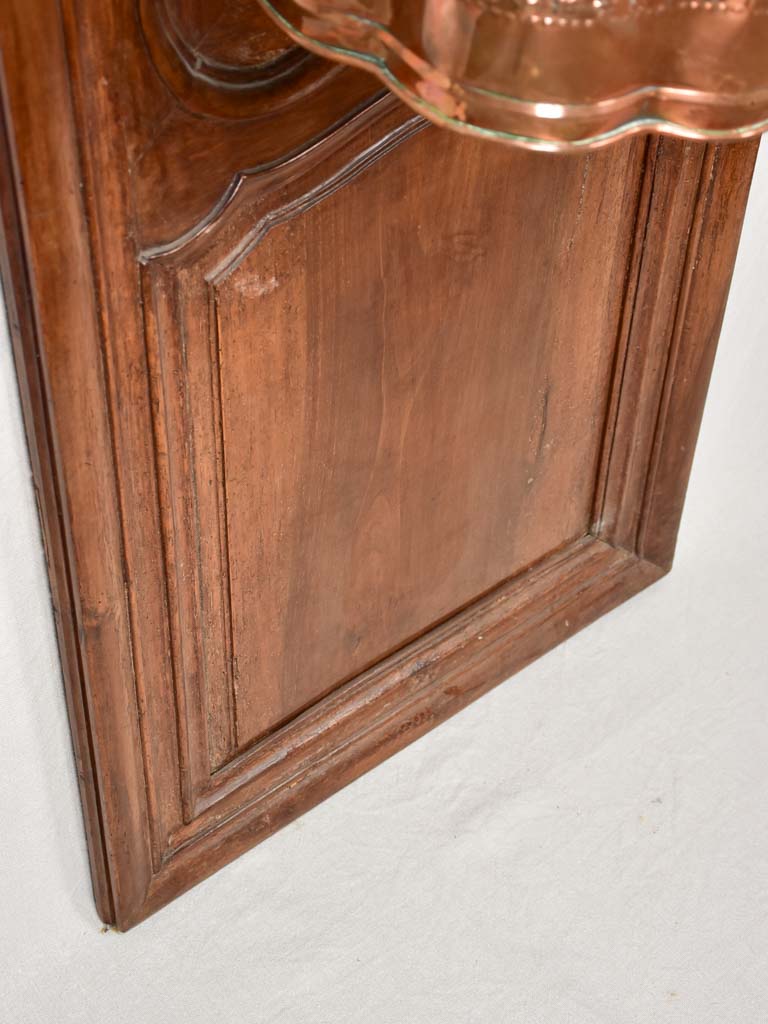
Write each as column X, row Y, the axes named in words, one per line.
column 336, row 420
column 355, row 442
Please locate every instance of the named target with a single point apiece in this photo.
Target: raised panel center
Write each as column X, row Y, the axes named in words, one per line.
column 408, row 417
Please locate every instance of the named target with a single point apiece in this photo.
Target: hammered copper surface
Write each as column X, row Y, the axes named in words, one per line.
column 555, row 74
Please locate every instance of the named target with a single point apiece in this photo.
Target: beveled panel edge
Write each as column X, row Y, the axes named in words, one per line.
column 669, row 335
column 264, row 180
column 704, row 284
column 88, row 595
column 402, row 699
column 17, row 292
column 290, row 748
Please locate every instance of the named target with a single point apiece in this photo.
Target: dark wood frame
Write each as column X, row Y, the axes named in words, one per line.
column 686, row 233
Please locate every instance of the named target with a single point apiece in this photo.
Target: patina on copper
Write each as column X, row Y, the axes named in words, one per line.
column 556, row 74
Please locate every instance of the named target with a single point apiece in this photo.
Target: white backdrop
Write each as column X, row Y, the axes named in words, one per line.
column 589, row 843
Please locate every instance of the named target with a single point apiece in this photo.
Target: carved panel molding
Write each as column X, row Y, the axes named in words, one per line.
column 216, row 68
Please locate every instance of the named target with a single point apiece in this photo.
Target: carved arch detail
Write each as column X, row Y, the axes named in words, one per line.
column 228, row 60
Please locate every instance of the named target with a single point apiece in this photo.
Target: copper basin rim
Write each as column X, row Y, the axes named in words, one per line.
column 555, row 75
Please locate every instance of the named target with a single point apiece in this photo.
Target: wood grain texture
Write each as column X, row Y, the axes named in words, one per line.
column 336, row 420
column 332, row 508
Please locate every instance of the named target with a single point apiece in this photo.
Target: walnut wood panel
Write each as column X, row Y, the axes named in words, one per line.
column 335, row 420
column 329, row 502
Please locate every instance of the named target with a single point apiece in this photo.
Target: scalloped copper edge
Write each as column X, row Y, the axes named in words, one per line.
column 534, row 125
